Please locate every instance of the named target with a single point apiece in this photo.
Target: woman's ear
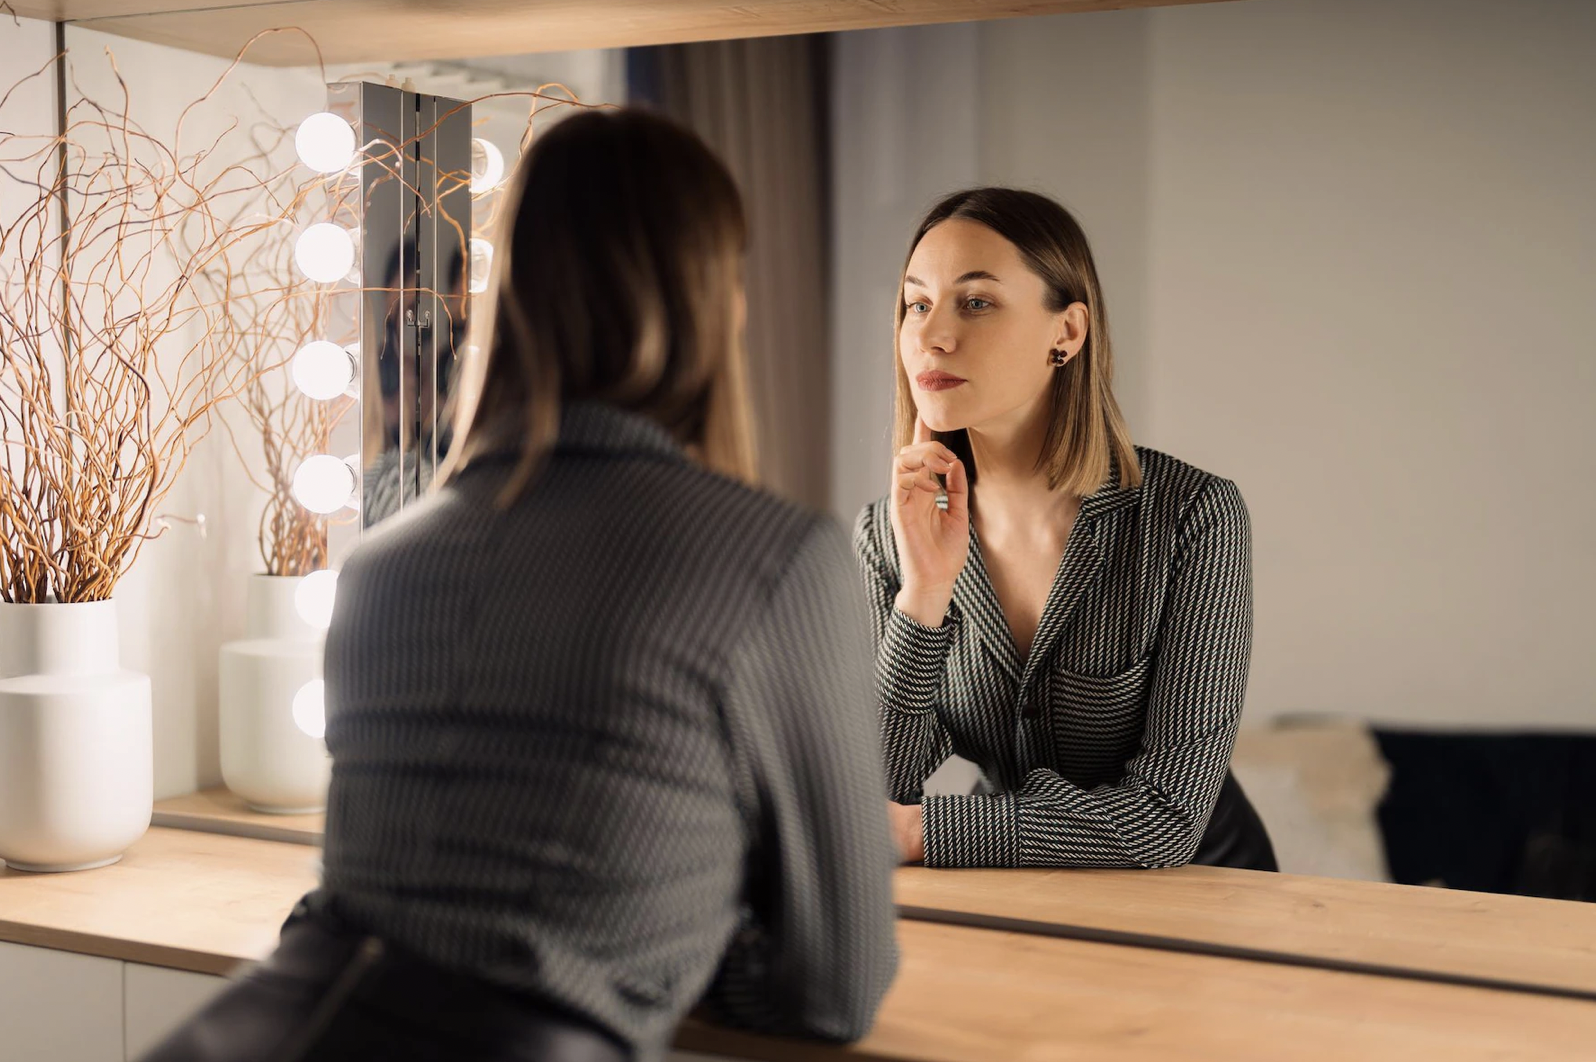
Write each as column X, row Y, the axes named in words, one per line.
column 1069, row 329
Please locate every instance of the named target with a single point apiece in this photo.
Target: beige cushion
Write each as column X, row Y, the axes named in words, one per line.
column 1316, row 784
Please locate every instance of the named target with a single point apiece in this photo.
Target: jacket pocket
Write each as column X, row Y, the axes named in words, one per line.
column 1097, row 721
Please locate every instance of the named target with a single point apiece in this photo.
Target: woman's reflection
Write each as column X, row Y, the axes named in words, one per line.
column 405, row 435
column 1071, row 612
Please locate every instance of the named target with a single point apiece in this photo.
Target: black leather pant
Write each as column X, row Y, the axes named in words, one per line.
column 328, row 995
column 1235, row 836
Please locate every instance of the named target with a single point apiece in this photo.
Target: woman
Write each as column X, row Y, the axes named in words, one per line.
column 593, row 707
column 1072, row 613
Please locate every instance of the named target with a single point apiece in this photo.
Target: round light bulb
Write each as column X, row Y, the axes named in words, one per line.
column 487, row 166
column 481, row 265
column 310, row 708
column 323, row 484
column 323, row 370
column 325, row 252
column 313, row 598
column 325, row 142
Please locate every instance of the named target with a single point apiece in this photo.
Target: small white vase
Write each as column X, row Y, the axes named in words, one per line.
column 268, row 758
column 76, row 749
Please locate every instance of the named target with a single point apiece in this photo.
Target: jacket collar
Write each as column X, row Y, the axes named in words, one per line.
column 598, row 427
column 1111, row 495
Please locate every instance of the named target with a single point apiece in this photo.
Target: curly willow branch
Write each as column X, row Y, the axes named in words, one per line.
column 172, row 296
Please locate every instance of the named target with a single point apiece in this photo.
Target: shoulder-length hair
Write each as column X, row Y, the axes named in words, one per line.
column 1087, row 441
column 619, row 279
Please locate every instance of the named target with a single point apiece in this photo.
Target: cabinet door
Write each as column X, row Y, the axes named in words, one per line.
column 59, row 1006
column 158, row 1000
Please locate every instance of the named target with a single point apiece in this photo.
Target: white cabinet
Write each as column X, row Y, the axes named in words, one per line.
column 59, row 1007
column 56, row 1006
column 157, row 1000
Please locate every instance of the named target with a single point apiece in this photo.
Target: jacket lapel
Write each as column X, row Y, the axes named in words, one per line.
column 981, row 610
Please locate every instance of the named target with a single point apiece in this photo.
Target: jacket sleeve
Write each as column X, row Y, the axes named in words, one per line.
column 1154, row 816
column 817, row 949
column 910, row 659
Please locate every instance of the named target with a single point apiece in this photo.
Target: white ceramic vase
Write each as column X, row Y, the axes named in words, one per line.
column 76, row 752
column 269, row 759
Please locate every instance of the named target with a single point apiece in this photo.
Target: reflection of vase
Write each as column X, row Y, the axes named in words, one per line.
column 268, row 758
column 76, row 756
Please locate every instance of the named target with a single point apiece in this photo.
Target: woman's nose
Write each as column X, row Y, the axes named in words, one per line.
column 937, row 336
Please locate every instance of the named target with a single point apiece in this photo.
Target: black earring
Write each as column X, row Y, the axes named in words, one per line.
column 1057, row 358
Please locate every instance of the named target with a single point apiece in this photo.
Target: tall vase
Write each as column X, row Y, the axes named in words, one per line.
column 273, row 757
column 76, row 749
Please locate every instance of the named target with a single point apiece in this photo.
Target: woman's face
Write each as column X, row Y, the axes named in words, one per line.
column 977, row 333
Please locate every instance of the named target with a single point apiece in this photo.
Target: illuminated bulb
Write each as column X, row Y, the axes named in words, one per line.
column 313, row 598
column 325, row 252
column 323, row 484
column 325, row 142
column 310, row 708
column 323, row 370
column 487, row 166
column 481, row 264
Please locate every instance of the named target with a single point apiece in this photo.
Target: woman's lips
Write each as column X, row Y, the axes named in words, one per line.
column 937, row 381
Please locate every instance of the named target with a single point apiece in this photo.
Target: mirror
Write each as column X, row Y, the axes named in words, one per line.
column 1345, row 251
column 416, row 241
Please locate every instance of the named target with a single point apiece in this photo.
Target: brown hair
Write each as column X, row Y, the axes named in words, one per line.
column 618, row 278
column 1086, row 436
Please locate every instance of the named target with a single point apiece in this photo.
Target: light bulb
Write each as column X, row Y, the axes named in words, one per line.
column 310, row 708
column 323, row 370
column 325, row 142
column 481, row 265
column 325, row 252
column 313, row 598
column 323, row 483
column 487, row 166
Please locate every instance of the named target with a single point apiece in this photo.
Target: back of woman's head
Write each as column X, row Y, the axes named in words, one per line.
column 619, row 280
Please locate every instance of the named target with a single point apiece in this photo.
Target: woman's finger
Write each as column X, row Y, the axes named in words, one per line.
column 935, row 459
column 913, row 456
column 958, row 485
column 919, row 481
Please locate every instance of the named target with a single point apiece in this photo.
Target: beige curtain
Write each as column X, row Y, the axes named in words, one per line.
column 761, row 105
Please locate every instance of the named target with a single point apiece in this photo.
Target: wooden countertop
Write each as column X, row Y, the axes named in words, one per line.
column 1470, row 934
column 205, row 902
column 976, row 995
column 191, row 901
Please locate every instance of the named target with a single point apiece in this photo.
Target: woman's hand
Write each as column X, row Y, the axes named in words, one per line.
column 932, row 544
column 908, row 831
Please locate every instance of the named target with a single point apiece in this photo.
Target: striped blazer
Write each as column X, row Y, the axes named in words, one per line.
column 1109, row 744
column 605, row 747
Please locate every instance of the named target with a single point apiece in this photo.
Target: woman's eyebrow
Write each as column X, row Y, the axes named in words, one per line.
column 974, row 274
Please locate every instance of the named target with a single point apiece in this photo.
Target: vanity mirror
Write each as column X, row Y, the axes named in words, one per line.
column 1343, row 249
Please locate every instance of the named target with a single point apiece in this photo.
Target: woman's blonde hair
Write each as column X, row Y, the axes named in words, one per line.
column 1087, row 440
column 619, row 280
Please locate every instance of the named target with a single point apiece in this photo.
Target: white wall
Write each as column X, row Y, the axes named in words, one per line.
column 1348, row 247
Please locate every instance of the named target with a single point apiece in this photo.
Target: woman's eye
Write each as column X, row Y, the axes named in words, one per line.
column 976, row 304
column 918, row 307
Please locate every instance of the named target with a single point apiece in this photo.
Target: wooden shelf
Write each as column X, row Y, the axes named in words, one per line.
column 219, row 810
column 205, row 902
column 351, row 31
column 185, row 900
column 1519, row 939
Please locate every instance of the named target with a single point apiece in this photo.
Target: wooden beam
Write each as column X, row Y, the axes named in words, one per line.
column 79, row 10
column 354, row 31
